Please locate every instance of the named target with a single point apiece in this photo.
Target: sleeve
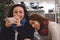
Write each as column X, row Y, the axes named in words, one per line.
column 6, row 33
column 53, row 29
column 3, row 34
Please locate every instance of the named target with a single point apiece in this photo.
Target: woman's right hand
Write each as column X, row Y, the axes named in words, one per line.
column 7, row 22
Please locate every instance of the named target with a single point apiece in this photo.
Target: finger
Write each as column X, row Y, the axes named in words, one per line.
column 16, row 17
column 16, row 22
column 6, row 18
column 8, row 24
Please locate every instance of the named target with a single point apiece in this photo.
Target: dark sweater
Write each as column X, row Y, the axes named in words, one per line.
column 23, row 32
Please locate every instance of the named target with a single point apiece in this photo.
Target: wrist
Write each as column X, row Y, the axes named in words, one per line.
column 18, row 25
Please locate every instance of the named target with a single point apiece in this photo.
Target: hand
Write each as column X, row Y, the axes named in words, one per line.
column 17, row 21
column 7, row 24
column 17, row 17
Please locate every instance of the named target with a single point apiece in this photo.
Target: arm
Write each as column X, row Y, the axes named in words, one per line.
column 3, row 33
column 53, row 29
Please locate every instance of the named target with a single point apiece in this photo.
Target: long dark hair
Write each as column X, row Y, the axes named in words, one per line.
column 10, row 14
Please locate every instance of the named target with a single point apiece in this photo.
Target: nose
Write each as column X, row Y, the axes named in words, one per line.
column 18, row 13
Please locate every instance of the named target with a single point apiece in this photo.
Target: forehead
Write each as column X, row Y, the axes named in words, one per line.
column 32, row 21
column 18, row 7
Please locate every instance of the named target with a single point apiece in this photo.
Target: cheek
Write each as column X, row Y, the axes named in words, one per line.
column 37, row 26
column 21, row 15
column 14, row 15
column 33, row 26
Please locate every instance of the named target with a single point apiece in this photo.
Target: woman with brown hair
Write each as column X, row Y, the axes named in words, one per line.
column 46, row 29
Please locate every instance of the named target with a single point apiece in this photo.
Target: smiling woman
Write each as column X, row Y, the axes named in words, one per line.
column 20, row 29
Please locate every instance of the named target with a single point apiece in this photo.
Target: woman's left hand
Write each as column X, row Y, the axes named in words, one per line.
column 17, row 21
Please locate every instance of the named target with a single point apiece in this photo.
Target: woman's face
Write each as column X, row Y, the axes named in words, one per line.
column 35, row 24
column 18, row 12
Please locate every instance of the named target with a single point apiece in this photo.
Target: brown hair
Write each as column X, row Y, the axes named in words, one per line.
column 36, row 17
column 43, row 22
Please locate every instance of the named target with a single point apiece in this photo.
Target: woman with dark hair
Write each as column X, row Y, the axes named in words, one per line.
column 26, row 15
column 19, row 28
column 44, row 27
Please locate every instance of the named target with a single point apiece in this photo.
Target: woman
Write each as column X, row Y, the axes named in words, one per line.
column 45, row 28
column 20, row 27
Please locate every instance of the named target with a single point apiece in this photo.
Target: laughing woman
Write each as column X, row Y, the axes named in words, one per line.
column 20, row 27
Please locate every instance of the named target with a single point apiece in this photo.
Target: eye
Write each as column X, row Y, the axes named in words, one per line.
column 33, row 23
column 15, row 12
column 21, row 12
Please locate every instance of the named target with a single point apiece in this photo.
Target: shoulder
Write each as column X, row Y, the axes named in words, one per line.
column 28, row 25
column 53, row 24
column 53, row 29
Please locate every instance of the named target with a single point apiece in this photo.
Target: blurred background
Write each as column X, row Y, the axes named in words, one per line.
column 45, row 8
